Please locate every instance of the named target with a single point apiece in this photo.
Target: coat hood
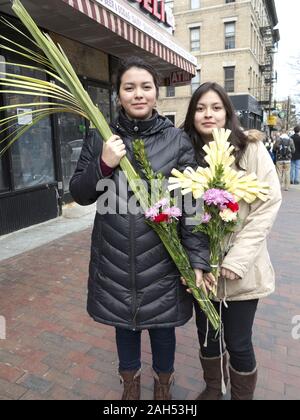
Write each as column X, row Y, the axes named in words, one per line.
column 255, row 135
column 124, row 126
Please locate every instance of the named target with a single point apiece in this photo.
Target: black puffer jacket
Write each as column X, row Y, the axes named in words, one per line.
column 133, row 283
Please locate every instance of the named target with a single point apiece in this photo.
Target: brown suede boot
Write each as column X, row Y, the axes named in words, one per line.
column 132, row 384
column 242, row 384
column 162, row 385
column 213, row 378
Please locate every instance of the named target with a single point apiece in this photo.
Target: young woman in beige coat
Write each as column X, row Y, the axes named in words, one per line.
column 247, row 274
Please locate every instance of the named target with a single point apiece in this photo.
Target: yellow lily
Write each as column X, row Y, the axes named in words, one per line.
column 219, row 154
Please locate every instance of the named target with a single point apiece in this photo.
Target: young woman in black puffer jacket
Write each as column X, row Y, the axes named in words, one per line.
column 133, row 283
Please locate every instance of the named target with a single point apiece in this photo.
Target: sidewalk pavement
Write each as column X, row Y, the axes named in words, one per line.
column 53, row 350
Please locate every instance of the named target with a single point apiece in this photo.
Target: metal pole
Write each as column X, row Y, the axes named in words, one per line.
column 288, row 113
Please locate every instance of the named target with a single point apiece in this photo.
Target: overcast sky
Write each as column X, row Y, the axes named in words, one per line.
column 288, row 12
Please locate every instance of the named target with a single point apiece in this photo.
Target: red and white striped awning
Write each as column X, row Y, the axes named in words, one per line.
column 127, row 31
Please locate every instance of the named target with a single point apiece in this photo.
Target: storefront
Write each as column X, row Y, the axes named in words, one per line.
column 95, row 34
column 248, row 110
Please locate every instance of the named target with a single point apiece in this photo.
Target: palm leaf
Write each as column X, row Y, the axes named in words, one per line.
column 56, row 59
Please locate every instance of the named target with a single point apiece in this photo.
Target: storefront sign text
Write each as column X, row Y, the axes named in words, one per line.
column 157, row 9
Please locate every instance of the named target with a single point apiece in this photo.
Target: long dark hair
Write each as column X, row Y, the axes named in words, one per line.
column 237, row 138
column 140, row 64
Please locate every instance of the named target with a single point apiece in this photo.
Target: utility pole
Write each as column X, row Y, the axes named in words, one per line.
column 288, row 111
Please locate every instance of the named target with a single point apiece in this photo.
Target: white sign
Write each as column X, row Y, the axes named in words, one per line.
column 140, row 22
column 24, row 116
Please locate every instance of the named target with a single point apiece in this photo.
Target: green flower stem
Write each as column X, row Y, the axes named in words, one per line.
column 180, row 258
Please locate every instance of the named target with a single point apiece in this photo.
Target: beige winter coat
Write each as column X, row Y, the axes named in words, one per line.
column 248, row 255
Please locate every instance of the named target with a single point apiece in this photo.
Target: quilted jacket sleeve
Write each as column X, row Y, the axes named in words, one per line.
column 196, row 244
column 88, row 171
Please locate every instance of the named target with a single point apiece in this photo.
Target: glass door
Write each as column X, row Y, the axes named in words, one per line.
column 71, row 130
column 71, row 133
column 101, row 97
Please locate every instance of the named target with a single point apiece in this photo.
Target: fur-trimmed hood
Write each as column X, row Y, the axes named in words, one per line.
column 255, row 135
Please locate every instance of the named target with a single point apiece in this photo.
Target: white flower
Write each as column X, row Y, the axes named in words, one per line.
column 227, row 215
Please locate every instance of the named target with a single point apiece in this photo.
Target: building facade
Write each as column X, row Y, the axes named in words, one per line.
column 234, row 42
column 95, row 34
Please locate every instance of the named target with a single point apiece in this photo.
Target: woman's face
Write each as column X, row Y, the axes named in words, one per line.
column 137, row 93
column 210, row 113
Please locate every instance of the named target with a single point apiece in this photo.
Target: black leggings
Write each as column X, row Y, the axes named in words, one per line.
column 237, row 321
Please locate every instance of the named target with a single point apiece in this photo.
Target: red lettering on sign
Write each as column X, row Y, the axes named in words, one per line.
column 157, row 9
column 146, row 4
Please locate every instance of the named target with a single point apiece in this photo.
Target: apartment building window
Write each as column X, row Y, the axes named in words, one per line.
column 170, row 91
column 229, row 78
column 229, row 35
column 195, row 38
column 195, row 4
column 196, row 81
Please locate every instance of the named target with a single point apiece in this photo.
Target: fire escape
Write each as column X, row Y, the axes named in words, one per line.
column 266, row 67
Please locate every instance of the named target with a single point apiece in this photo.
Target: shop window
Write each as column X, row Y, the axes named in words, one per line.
column 3, row 178
column 101, row 97
column 32, row 154
column 71, row 132
column 32, row 157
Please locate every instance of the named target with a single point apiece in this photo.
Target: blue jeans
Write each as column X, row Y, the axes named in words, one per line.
column 163, row 344
column 295, row 171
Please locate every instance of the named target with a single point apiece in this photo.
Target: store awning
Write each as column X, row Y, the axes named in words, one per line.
column 115, row 28
column 175, row 59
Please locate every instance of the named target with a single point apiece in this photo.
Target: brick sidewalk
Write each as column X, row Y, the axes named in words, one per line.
column 53, row 350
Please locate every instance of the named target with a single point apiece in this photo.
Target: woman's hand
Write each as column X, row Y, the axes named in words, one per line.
column 205, row 280
column 228, row 274
column 113, row 151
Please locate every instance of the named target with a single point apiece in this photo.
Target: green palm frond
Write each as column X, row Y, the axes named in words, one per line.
column 76, row 99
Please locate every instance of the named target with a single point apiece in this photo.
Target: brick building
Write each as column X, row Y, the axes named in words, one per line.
column 234, row 42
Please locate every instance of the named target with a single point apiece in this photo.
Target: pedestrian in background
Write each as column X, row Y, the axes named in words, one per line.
column 284, row 148
column 268, row 142
column 295, row 161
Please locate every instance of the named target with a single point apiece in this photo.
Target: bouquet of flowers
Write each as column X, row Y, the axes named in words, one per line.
column 66, row 94
column 163, row 217
column 221, row 188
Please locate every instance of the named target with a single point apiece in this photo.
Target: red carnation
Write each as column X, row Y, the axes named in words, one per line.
column 233, row 206
column 161, row 218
